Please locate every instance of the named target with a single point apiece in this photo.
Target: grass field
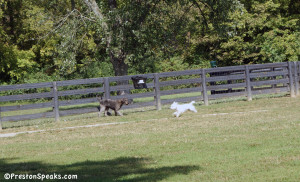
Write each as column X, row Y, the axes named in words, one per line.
column 226, row 141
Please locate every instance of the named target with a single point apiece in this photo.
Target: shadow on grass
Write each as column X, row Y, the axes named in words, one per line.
column 119, row 169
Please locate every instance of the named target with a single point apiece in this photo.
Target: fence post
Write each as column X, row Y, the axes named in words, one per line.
column 157, row 91
column 248, row 83
column 296, row 78
column 292, row 88
column 106, row 88
column 55, row 101
column 204, row 90
column 274, row 78
column 0, row 120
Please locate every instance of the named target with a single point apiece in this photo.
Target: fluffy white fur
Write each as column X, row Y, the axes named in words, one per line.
column 181, row 108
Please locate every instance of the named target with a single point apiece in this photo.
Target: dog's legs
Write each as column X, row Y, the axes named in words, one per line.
column 106, row 111
column 176, row 114
column 193, row 109
column 102, row 108
column 118, row 113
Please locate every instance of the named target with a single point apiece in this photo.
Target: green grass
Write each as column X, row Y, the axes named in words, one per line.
column 225, row 141
column 49, row 121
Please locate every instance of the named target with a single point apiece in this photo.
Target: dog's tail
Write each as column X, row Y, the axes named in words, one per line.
column 193, row 102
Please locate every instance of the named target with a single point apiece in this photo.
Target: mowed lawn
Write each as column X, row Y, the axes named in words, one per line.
column 227, row 141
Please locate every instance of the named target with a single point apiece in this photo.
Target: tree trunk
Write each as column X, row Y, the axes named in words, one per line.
column 120, row 69
column 73, row 4
column 119, row 65
column 116, row 58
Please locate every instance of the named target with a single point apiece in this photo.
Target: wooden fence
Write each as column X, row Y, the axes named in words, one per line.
column 205, row 84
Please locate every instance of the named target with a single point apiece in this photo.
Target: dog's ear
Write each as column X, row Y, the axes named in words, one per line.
column 100, row 96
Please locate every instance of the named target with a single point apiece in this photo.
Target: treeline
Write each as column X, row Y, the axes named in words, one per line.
column 46, row 40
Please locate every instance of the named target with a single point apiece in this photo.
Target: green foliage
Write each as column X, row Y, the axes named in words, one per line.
column 281, row 45
column 260, row 36
column 174, row 64
column 15, row 63
column 42, row 39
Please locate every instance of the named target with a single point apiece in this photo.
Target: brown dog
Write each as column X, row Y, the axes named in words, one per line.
column 106, row 104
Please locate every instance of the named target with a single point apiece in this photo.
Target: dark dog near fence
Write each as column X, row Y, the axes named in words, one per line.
column 106, row 104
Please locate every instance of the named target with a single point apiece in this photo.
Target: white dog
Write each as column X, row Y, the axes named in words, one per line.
column 182, row 108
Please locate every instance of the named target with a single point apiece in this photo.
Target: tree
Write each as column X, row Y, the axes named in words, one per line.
column 119, row 21
column 15, row 58
column 260, row 36
column 132, row 28
column 87, row 38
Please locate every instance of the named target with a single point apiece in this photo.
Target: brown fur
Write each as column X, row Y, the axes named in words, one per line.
column 106, row 104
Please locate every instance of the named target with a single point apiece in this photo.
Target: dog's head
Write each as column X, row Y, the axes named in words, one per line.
column 174, row 105
column 99, row 98
column 125, row 101
column 193, row 102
